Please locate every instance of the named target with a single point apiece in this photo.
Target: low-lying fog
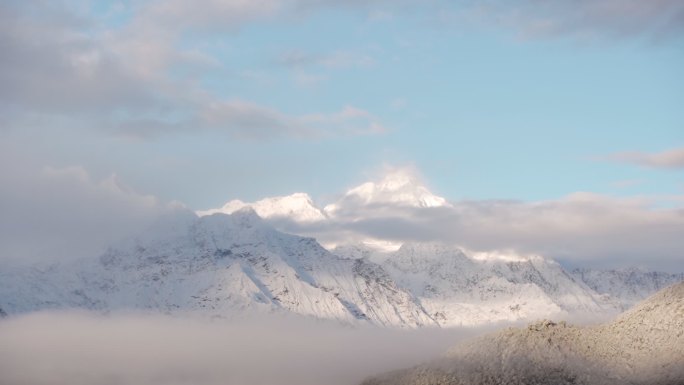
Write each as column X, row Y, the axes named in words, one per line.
column 80, row 348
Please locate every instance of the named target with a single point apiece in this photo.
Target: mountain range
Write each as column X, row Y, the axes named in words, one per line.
column 226, row 265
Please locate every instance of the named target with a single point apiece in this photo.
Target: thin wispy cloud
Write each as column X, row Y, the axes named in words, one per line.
column 335, row 60
column 249, row 121
column 668, row 159
column 123, row 75
column 121, row 79
column 585, row 19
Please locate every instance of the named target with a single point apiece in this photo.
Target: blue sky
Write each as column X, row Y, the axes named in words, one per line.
column 483, row 113
column 483, row 109
column 202, row 102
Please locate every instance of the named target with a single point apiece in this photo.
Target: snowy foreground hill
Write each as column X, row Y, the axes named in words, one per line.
column 642, row 346
column 227, row 265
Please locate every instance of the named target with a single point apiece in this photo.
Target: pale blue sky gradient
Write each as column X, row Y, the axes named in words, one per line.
column 484, row 110
column 552, row 127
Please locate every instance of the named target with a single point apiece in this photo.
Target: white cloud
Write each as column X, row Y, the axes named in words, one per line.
column 656, row 19
column 348, row 121
column 588, row 228
column 250, row 121
column 150, row 40
column 49, row 65
column 121, row 79
column 669, row 159
column 206, row 14
column 309, row 70
column 581, row 228
column 56, row 213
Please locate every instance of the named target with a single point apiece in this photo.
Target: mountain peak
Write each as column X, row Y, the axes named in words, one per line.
column 396, row 180
column 246, row 214
column 298, row 207
column 398, row 187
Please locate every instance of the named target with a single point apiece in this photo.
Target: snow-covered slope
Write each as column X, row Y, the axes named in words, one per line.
column 219, row 265
column 362, row 251
column 298, row 207
column 227, row 265
column 642, row 346
column 627, row 286
column 456, row 288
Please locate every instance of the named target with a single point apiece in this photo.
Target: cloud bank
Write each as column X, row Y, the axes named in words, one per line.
column 81, row 348
column 53, row 213
column 581, row 229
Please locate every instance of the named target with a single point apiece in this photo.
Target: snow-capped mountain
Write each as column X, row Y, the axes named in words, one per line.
column 397, row 194
column 398, row 188
column 226, row 265
column 298, row 207
column 458, row 288
column 218, row 265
